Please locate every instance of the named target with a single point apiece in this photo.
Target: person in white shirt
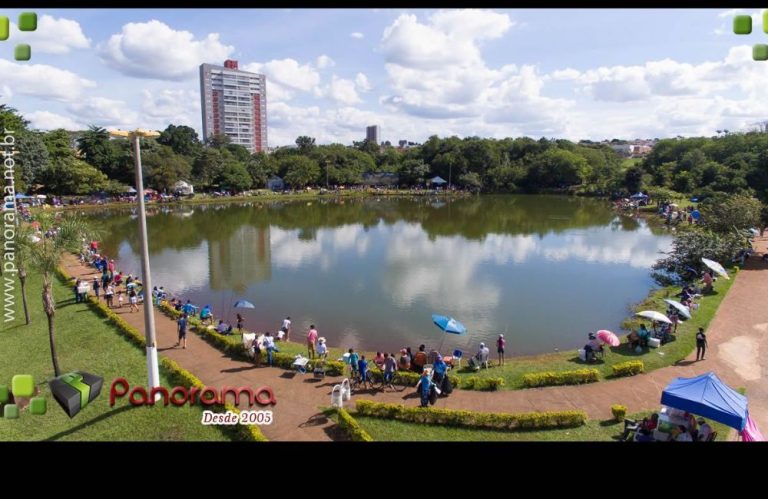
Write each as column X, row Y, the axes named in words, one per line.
column 322, row 348
column 705, row 431
column 683, row 435
column 286, row 327
column 269, row 346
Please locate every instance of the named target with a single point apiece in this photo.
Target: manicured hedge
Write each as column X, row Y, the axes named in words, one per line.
column 471, row 419
column 477, row 383
column 619, row 412
column 176, row 374
column 550, row 378
column 353, row 430
column 629, row 368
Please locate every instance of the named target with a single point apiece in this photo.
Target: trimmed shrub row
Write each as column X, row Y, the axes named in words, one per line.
column 351, row 427
column 477, row 383
column 176, row 374
column 550, row 378
column 629, row 368
column 471, row 419
column 619, row 412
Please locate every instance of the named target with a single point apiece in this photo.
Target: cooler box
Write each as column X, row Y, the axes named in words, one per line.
column 654, row 342
column 583, row 354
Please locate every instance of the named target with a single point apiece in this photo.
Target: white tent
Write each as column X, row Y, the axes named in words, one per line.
column 183, row 188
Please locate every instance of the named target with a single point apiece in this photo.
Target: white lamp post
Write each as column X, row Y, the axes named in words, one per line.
column 153, row 373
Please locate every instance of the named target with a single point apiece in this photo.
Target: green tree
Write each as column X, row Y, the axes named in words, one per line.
column 218, row 141
column 471, row 180
column 724, row 213
column 235, row 177
column 96, row 148
column 32, row 157
column 163, row 168
column 413, row 171
column 633, row 178
column 46, row 257
column 59, row 145
column 300, row 171
column 11, row 120
column 261, row 167
column 182, row 139
column 306, row 144
column 690, row 247
column 207, row 167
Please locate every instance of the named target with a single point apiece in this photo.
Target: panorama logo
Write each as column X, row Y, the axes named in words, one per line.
column 742, row 25
column 73, row 391
column 21, row 394
column 27, row 22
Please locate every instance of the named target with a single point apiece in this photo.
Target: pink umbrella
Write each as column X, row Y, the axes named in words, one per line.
column 608, row 337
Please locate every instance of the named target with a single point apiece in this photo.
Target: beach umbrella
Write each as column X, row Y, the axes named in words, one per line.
column 680, row 307
column 608, row 337
column 715, row 266
column 243, row 304
column 448, row 324
column 654, row 316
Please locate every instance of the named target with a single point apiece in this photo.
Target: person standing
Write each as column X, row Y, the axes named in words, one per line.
column 286, row 328
column 269, row 345
column 133, row 299
column 109, row 292
column 311, row 339
column 96, row 287
column 701, row 344
column 501, row 343
column 424, row 386
column 240, row 322
column 182, row 325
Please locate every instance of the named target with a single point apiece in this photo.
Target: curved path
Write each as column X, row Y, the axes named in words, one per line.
column 738, row 353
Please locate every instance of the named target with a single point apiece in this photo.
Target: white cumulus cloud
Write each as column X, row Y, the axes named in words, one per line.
column 362, row 83
column 357, row 35
column 104, row 112
column 43, row 81
column 46, row 120
column 53, row 36
column 286, row 77
column 325, row 62
column 155, row 50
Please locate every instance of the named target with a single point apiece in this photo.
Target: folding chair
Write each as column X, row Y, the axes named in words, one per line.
column 457, row 354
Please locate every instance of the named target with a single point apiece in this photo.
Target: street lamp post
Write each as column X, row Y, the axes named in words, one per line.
column 153, row 373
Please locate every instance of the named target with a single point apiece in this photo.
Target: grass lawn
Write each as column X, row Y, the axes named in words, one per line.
column 85, row 342
column 594, row 431
column 515, row 368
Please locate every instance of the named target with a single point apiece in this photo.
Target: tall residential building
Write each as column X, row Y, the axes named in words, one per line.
column 373, row 133
column 234, row 103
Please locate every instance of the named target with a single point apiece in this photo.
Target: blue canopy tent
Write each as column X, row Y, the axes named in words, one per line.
column 709, row 397
column 639, row 195
column 438, row 181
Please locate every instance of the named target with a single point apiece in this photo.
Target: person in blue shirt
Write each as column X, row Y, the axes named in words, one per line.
column 353, row 358
column 362, row 366
column 440, row 368
column 424, row 386
column 644, row 335
column 206, row 315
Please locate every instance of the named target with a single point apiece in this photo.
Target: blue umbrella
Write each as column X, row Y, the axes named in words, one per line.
column 243, row 304
column 448, row 324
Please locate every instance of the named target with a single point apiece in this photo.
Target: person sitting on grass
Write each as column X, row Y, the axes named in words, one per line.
column 223, row 328
column 633, row 340
column 644, row 334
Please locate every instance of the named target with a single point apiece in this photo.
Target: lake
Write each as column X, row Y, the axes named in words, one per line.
column 369, row 272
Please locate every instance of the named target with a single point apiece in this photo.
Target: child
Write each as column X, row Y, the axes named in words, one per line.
column 119, row 299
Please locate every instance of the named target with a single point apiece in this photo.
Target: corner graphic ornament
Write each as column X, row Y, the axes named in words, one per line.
column 742, row 25
column 27, row 22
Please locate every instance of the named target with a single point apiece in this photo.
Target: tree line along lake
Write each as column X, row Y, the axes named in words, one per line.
column 369, row 272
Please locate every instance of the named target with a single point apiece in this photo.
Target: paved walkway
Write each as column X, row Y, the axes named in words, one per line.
column 738, row 353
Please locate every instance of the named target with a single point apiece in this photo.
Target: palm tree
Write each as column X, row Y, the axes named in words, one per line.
column 24, row 242
column 70, row 232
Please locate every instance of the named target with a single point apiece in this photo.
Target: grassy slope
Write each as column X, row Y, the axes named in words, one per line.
column 85, row 342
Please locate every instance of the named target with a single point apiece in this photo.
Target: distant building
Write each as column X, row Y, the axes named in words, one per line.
column 373, row 133
column 234, row 103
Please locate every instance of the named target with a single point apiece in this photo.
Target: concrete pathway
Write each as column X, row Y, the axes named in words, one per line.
column 738, row 354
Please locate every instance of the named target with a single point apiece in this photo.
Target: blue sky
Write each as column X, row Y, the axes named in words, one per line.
column 577, row 74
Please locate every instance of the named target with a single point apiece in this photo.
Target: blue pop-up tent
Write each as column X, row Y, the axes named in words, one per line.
column 709, row 397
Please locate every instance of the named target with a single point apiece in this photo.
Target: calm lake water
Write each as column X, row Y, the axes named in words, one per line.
column 369, row 273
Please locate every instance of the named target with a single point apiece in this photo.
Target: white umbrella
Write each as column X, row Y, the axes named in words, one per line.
column 715, row 266
column 654, row 316
column 680, row 307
